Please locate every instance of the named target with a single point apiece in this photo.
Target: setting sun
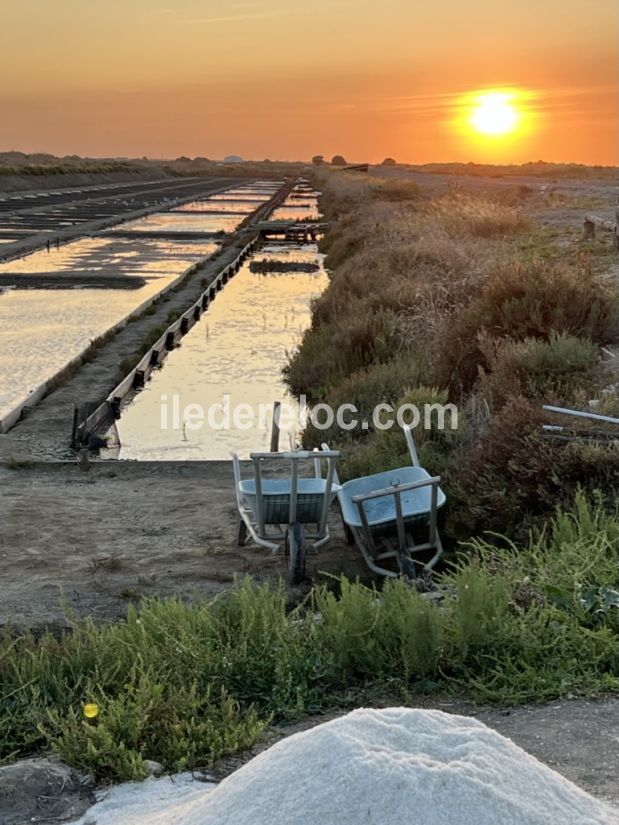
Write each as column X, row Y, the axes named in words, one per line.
column 495, row 113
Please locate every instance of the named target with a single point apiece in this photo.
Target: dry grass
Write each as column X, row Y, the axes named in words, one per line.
column 462, row 214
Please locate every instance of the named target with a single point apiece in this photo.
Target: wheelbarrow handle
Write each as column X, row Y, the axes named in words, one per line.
column 397, row 488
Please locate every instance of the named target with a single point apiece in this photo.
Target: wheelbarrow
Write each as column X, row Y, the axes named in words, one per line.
column 384, row 512
column 286, row 510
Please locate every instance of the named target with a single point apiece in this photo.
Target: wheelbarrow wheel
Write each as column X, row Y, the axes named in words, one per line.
column 295, row 553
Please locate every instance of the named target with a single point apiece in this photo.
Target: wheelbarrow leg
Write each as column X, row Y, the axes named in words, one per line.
column 348, row 533
column 241, row 531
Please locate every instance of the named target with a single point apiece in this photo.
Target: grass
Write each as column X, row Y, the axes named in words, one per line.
column 186, row 684
column 463, row 214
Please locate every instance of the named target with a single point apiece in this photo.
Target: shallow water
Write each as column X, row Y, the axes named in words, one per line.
column 243, row 194
column 42, row 330
column 208, row 205
column 177, row 222
column 287, row 212
column 299, row 205
column 238, row 348
column 135, row 256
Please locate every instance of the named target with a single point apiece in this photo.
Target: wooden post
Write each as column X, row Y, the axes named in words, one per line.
column 84, row 460
column 593, row 221
column 275, row 429
column 76, row 423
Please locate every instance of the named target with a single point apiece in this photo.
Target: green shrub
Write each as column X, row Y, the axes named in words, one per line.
column 380, row 450
column 555, row 371
column 368, row 636
column 377, row 383
column 527, row 301
column 181, row 728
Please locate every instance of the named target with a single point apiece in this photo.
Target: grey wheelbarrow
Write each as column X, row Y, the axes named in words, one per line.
column 384, row 513
column 284, row 509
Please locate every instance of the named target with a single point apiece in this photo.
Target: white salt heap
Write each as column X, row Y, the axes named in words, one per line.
column 387, row 767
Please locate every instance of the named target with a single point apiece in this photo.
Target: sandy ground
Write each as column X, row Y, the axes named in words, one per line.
column 90, row 542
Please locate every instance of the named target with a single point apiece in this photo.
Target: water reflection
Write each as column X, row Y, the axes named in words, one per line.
column 177, row 222
column 238, row 348
column 141, row 257
column 42, row 330
column 208, row 205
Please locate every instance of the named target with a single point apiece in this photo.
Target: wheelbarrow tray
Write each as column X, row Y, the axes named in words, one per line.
column 381, row 512
column 276, row 495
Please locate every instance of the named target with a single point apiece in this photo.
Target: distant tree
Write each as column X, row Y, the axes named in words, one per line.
column 338, row 160
column 389, row 162
column 183, row 159
column 318, row 160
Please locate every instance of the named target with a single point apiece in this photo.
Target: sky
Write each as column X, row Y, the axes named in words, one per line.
column 286, row 80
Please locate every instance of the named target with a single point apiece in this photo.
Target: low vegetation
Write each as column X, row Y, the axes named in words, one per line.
column 534, row 169
column 460, row 298
column 186, row 684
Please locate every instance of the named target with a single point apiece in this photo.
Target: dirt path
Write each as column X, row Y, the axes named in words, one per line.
column 99, row 539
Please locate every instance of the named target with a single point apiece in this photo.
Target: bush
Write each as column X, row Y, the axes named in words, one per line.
column 332, row 351
column 380, row 450
column 466, row 214
column 512, row 476
column 522, row 301
column 369, row 638
column 555, row 371
column 183, row 728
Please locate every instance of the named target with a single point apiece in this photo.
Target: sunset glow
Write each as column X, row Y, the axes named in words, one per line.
column 280, row 80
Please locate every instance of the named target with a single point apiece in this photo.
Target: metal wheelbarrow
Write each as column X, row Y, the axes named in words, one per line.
column 383, row 512
column 277, row 511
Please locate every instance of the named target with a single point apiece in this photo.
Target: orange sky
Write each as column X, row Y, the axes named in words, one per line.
column 286, row 79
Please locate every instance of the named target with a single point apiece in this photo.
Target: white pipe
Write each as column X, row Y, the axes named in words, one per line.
column 579, row 414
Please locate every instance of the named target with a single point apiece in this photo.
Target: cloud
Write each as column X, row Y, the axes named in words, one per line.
column 248, row 11
column 231, row 17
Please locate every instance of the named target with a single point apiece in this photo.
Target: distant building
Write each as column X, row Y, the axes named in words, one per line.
column 233, row 159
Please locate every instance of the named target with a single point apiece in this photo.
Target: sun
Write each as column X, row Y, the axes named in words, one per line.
column 494, row 113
